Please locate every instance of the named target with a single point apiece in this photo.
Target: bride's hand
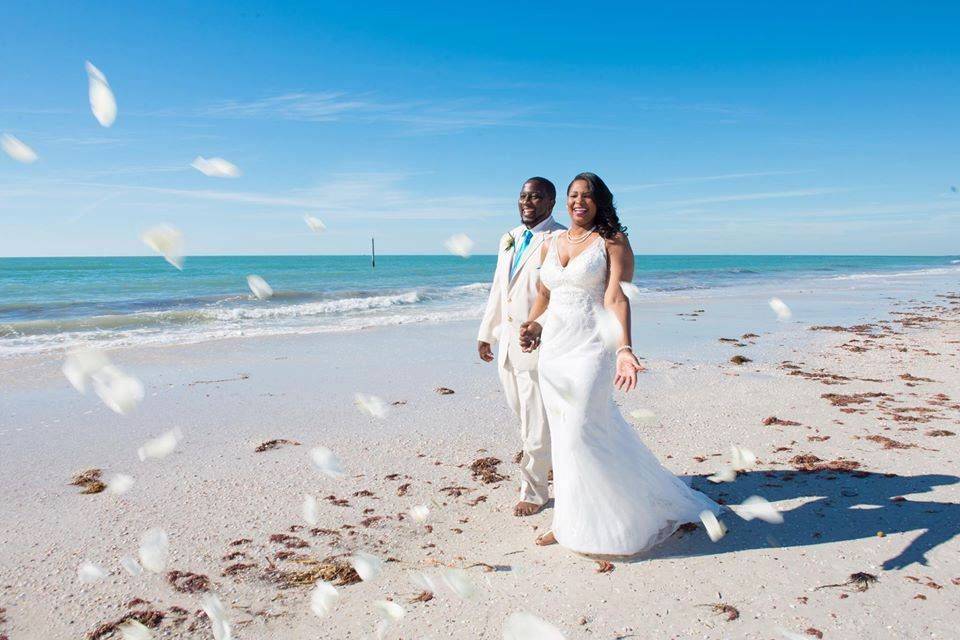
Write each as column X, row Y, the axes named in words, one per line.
column 627, row 369
column 530, row 336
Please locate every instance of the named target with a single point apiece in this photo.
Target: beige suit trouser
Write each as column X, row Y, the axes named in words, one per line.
column 522, row 390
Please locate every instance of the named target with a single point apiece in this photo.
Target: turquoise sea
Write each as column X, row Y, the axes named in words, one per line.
column 50, row 303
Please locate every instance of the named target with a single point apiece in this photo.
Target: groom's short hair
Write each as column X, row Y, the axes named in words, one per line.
column 547, row 185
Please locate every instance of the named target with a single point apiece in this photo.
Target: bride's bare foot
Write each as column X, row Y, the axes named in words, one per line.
column 546, row 539
column 526, row 508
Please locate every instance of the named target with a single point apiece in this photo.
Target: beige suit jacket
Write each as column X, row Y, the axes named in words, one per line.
column 511, row 299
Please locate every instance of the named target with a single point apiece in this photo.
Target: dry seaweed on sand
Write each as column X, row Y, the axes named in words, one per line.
column 274, row 444
column 476, row 501
column 842, row 400
column 604, row 566
column 779, row 422
column 738, row 359
column 188, row 582
column 90, row 480
column 147, row 617
column 860, row 581
column 889, row 443
column 455, row 492
column 518, row 457
column 485, row 470
column 239, row 567
column 939, row 433
column 722, row 608
column 423, row 596
column 290, row 542
column 331, row 569
column 816, row 633
column 402, row 489
column 444, row 391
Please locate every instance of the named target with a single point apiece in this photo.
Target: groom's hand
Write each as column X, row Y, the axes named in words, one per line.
column 486, row 353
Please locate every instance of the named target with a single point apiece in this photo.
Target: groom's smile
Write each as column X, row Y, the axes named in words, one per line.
column 535, row 204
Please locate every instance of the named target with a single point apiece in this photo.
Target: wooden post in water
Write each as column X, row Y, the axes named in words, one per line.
column 373, row 254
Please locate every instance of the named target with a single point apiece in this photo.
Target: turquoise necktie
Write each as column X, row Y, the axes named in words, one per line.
column 527, row 236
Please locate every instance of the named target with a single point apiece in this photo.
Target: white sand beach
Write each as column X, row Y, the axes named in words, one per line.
column 866, row 481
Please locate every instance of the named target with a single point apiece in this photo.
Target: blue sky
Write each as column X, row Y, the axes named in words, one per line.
column 720, row 127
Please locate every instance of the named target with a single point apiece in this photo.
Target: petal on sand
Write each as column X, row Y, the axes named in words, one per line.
column 780, row 308
column 81, row 365
column 131, row 566
column 323, row 598
column 154, row 550
column 526, row 626
column 315, row 224
column 423, row 581
column 741, row 458
column 420, row 512
column 218, row 617
column 367, row 566
column 103, row 104
column 167, row 241
column 459, row 245
column 643, row 416
column 311, row 510
column 17, row 149
column 715, row 528
column 725, row 474
column 758, row 507
column 372, row 405
column 259, row 287
column 119, row 391
column 388, row 610
column 88, row 572
column 120, row 483
column 611, row 331
column 630, row 290
column 215, row 167
column 160, row 447
column 458, row 582
column 134, row 630
column 327, row 462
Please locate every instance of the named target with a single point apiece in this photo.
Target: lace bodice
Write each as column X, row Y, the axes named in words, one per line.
column 584, row 279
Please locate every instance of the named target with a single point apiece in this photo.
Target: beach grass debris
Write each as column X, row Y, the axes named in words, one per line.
column 188, row 582
column 423, row 596
column 237, row 568
column 485, row 470
column 738, row 359
column 860, row 581
column 444, row 391
column 90, row 480
column 289, row 541
column 889, row 443
column 939, row 433
column 276, row 443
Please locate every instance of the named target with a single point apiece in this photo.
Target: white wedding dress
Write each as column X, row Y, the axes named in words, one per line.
column 611, row 495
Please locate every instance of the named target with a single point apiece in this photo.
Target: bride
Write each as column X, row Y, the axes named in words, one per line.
column 611, row 495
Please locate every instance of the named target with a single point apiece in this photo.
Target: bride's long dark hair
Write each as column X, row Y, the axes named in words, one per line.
column 607, row 221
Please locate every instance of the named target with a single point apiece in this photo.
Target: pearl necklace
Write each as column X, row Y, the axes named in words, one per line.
column 580, row 239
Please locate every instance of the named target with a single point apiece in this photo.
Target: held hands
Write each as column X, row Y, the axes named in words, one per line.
column 530, row 336
column 627, row 369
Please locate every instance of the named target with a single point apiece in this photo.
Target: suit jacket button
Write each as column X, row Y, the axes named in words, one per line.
column 509, row 299
column 509, row 318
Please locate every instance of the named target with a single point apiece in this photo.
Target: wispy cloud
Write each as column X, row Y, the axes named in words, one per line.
column 695, row 179
column 744, row 197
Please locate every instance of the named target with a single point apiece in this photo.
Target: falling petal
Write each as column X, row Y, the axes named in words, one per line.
column 643, row 416
column 315, row 224
column 81, row 365
column 102, row 102
column 327, row 462
column 131, row 566
column 119, row 391
column 459, row 245
column 259, row 287
column 218, row 617
column 458, row 582
column 420, row 513
column 167, row 241
column 780, row 308
column 725, row 474
column 88, row 572
column 215, row 167
column 160, row 447
column 311, row 510
column 423, row 581
column 715, row 528
column 134, row 630
column 611, row 331
column 526, row 626
column 367, row 566
column 154, row 550
column 371, row 405
column 789, row 635
column 758, row 507
column 120, row 483
column 388, row 610
column 323, row 598
column 630, row 290
column 17, row 149
column 741, row 458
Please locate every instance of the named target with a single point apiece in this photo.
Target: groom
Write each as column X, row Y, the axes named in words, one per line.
column 512, row 295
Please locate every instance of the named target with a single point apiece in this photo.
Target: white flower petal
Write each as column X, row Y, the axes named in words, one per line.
column 80, row 366
column 789, row 635
column 311, row 510
column 161, row 446
column 88, row 572
column 643, row 416
column 119, row 391
column 327, row 462
column 420, row 512
column 134, row 630
column 759, row 507
column 131, row 566
column 372, row 405
column 367, row 566
column 17, row 150
column 218, row 617
column 630, row 290
column 458, row 582
column 526, row 626
column 780, row 308
column 315, row 224
column 388, row 610
column 725, row 474
column 741, row 457
column 154, row 550
column 120, row 483
column 611, row 331
column 459, row 245
column 103, row 104
column 424, row 581
column 215, row 167
column 715, row 528
column 259, row 287
column 167, row 241
column 323, row 598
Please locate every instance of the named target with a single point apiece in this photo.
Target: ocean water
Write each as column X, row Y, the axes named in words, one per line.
column 51, row 303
